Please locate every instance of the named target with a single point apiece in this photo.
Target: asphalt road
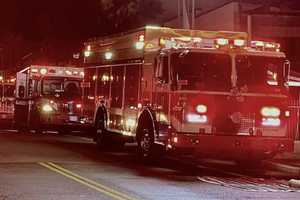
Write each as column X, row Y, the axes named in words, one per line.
column 51, row 166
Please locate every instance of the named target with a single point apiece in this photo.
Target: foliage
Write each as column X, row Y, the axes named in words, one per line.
column 53, row 29
column 120, row 15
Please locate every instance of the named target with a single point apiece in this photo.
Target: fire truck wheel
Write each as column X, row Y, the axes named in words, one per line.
column 62, row 131
column 100, row 134
column 35, row 120
column 38, row 131
column 22, row 130
column 145, row 140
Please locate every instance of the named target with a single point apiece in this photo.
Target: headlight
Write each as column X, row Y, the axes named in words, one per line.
column 201, row 108
column 47, row 108
column 271, row 122
column 270, row 112
column 196, row 118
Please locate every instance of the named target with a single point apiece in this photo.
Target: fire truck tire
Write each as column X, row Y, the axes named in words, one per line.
column 63, row 131
column 22, row 130
column 38, row 131
column 100, row 136
column 35, row 121
column 145, row 140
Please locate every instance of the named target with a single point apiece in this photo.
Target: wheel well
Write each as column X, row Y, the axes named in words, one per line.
column 145, row 117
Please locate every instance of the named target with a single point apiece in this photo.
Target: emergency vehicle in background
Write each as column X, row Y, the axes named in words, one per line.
column 7, row 99
column 209, row 93
column 48, row 98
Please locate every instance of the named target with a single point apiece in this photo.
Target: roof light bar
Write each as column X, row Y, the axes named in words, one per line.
column 271, row 46
column 34, row 70
column 239, row 42
column 222, row 41
column 257, row 44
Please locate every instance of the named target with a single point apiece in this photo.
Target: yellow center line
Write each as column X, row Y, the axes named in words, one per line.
column 91, row 181
column 87, row 182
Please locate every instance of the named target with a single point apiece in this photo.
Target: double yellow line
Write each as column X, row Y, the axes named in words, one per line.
column 87, row 182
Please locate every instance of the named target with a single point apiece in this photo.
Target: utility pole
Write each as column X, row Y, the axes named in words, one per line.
column 249, row 28
column 179, row 11
column 185, row 16
column 193, row 14
column 1, row 58
column 2, row 85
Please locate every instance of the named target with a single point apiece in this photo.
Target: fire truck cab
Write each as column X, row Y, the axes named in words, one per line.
column 48, row 98
column 207, row 92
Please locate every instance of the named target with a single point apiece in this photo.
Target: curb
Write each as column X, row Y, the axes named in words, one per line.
column 283, row 167
column 294, row 183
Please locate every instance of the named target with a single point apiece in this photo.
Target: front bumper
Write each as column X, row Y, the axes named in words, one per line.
column 232, row 147
column 61, row 120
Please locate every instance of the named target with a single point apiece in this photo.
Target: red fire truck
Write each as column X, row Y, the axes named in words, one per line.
column 48, row 98
column 210, row 93
column 7, row 98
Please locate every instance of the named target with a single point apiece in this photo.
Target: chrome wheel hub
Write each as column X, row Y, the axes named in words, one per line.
column 146, row 141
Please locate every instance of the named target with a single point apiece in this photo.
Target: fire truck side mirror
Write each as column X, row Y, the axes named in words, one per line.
column 162, row 72
column 286, row 70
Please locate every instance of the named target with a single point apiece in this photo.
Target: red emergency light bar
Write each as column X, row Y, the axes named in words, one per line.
column 218, row 43
column 265, row 46
column 197, row 42
column 57, row 71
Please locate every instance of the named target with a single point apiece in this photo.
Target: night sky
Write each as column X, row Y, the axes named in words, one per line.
column 52, row 30
column 37, row 20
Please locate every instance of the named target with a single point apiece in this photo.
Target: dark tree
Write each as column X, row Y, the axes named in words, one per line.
column 50, row 31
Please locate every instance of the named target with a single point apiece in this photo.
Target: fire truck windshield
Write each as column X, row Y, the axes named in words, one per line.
column 201, row 71
column 259, row 73
column 8, row 90
column 61, row 87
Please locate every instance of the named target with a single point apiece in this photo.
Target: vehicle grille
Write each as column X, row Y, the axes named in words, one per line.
column 234, row 123
column 247, row 122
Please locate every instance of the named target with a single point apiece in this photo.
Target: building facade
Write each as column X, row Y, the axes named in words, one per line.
column 262, row 22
